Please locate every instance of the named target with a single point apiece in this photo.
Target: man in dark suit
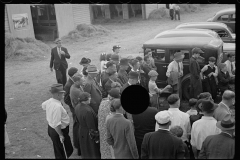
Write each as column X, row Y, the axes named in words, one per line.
column 162, row 144
column 144, row 123
column 220, row 146
column 58, row 59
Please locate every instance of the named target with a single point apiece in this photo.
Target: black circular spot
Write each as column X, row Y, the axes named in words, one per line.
column 135, row 99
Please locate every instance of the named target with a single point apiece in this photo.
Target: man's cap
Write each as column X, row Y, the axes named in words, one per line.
column 212, row 59
column 163, row 117
column 178, row 55
column 133, row 75
column 77, row 77
column 197, row 51
column 72, row 71
column 57, row 40
column 123, row 62
column 221, row 66
column 85, row 61
column 173, row 98
column 139, row 58
column 92, row 69
column 116, row 104
column 152, row 73
column 115, row 57
column 226, row 124
column 84, row 96
column 116, row 46
column 56, row 88
column 208, row 105
column 114, row 92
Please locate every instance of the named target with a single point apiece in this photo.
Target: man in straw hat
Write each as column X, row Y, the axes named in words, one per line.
column 88, row 128
column 204, row 127
column 194, row 68
column 175, row 72
column 92, row 87
column 220, row 146
column 58, row 122
column 58, row 59
column 161, row 144
column 120, row 133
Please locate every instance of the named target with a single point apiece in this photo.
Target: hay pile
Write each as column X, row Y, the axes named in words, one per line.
column 158, row 13
column 85, row 30
column 189, row 7
column 24, row 48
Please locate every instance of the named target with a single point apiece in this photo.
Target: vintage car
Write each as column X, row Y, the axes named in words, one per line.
column 187, row 32
column 163, row 50
column 222, row 29
column 226, row 16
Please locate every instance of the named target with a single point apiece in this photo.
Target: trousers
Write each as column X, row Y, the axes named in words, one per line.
column 61, row 75
column 57, row 145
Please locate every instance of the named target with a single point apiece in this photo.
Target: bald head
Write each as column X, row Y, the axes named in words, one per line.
column 228, row 95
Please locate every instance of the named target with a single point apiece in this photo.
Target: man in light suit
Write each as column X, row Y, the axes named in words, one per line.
column 223, row 109
column 58, row 59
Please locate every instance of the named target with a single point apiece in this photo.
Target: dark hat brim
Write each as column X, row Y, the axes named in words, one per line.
column 81, row 62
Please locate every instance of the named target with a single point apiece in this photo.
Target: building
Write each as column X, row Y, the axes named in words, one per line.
column 44, row 21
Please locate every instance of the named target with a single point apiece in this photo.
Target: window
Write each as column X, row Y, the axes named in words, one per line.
column 184, row 51
column 232, row 17
column 222, row 33
column 158, row 54
column 223, row 17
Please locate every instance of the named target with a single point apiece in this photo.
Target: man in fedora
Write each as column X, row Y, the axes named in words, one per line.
column 92, row 87
column 133, row 80
column 122, row 74
column 204, row 127
column 220, row 146
column 225, row 106
column 85, row 62
column 58, row 60
column 58, row 122
column 194, row 68
column 161, row 144
column 175, row 73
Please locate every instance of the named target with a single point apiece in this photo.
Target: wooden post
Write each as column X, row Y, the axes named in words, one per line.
column 125, row 11
column 107, row 12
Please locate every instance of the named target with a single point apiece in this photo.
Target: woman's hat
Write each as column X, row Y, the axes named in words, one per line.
column 85, row 61
column 178, row 55
column 56, row 88
column 226, row 124
column 92, row 69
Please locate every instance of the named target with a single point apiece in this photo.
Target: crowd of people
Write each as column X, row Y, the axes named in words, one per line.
column 103, row 129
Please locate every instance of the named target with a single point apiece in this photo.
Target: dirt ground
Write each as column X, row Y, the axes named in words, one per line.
column 27, row 83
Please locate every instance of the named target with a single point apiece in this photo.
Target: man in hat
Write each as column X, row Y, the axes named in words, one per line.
column 116, row 58
column 85, row 62
column 161, row 144
column 194, row 68
column 204, row 127
column 175, row 72
column 220, row 146
column 92, row 87
column 58, row 122
column 122, row 74
column 116, row 49
column 113, row 82
column 133, row 80
column 223, row 78
column 75, row 91
column 88, row 128
column 111, row 68
column 120, row 133
column 225, row 106
column 58, row 60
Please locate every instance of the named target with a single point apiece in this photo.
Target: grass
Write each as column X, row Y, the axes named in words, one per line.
column 27, row 83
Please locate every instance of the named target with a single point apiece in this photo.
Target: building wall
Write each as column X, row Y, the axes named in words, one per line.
column 81, row 14
column 151, row 7
column 64, row 17
column 7, row 28
column 20, row 9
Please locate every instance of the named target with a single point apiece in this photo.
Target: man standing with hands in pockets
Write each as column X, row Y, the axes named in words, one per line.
column 58, row 59
column 58, row 123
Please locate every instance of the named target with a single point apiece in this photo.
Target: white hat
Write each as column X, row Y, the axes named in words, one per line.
column 163, row 117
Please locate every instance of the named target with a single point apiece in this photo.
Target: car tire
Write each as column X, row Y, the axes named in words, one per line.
column 186, row 89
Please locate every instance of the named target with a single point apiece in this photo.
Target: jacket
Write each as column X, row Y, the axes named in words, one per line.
column 162, row 145
column 55, row 59
column 221, row 146
column 220, row 112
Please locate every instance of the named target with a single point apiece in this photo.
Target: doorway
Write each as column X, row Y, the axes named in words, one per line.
column 44, row 22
